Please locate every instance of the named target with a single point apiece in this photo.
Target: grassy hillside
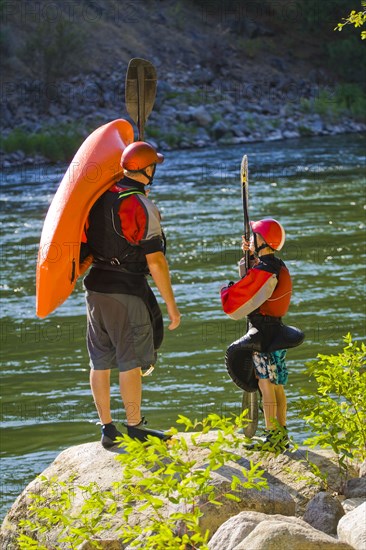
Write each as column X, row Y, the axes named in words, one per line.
column 227, row 70
column 51, row 40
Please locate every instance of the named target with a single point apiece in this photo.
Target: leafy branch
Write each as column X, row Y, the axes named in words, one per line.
column 357, row 19
column 161, row 495
column 337, row 412
column 155, row 472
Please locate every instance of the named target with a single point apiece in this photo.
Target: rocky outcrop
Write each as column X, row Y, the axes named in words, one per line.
column 226, row 73
column 195, row 107
column 273, row 512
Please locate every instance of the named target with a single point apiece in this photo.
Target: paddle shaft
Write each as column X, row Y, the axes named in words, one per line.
column 245, row 192
column 249, row 400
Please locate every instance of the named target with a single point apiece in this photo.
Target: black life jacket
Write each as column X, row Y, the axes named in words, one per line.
column 105, row 240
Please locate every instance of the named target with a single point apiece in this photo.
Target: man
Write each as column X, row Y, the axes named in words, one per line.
column 125, row 328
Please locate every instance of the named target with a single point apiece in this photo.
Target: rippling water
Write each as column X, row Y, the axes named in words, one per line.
column 315, row 187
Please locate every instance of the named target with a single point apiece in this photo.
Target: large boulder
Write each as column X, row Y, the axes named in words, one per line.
column 355, row 488
column 291, row 484
column 352, row 528
column 350, row 504
column 255, row 531
column 324, row 512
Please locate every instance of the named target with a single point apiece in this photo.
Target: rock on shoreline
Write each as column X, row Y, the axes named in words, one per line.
column 294, row 511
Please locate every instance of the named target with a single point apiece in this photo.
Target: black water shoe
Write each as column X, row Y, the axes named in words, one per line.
column 140, row 432
column 273, row 441
column 109, row 435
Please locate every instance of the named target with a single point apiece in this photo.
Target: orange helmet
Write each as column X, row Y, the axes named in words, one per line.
column 138, row 155
column 271, row 232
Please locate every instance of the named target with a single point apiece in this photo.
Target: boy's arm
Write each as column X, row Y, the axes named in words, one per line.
column 245, row 296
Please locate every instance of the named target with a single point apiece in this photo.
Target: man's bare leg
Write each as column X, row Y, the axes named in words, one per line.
column 100, row 387
column 130, row 386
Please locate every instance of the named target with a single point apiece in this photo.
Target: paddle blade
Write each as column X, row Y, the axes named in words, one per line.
column 140, row 91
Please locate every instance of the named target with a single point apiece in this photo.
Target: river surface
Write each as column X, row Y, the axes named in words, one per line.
column 315, row 187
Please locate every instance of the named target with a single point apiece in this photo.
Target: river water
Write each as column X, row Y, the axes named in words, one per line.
column 314, row 186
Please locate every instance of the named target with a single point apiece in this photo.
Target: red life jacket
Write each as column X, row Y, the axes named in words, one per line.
column 279, row 302
column 265, row 289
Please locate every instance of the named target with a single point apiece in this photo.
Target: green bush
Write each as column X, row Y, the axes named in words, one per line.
column 345, row 99
column 337, row 412
column 351, row 98
column 322, row 15
column 153, row 473
column 57, row 52
column 55, row 144
column 347, row 58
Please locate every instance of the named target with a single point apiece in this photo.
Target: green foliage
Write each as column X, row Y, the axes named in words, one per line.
column 5, row 44
column 251, row 47
column 55, row 144
column 5, row 36
column 351, row 98
column 337, row 413
column 356, row 19
column 318, row 16
column 50, row 51
column 345, row 99
column 176, row 477
column 305, row 131
column 55, row 511
column 180, row 132
column 345, row 56
column 189, row 97
column 346, row 59
column 160, row 481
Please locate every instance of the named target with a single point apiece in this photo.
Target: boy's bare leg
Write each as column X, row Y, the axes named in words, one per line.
column 281, row 404
column 269, row 402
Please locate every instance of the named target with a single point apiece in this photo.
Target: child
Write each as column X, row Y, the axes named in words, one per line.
column 263, row 295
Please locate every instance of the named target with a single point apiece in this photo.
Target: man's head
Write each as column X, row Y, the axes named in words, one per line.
column 271, row 232
column 139, row 161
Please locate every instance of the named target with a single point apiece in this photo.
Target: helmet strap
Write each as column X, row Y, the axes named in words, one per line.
column 150, row 178
column 261, row 247
column 143, row 172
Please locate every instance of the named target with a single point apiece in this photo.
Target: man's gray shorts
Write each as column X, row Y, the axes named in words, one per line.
column 119, row 332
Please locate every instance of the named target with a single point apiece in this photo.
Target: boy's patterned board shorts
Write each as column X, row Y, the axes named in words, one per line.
column 272, row 366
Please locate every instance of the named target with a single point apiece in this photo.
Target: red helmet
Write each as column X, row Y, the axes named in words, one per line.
column 138, row 155
column 271, row 232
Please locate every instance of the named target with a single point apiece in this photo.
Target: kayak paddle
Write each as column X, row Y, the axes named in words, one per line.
column 140, row 92
column 250, row 399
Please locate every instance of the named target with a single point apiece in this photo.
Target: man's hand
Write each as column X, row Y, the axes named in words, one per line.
column 174, row 317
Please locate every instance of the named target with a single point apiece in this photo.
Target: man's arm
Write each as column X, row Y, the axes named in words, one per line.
column 159, row 269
